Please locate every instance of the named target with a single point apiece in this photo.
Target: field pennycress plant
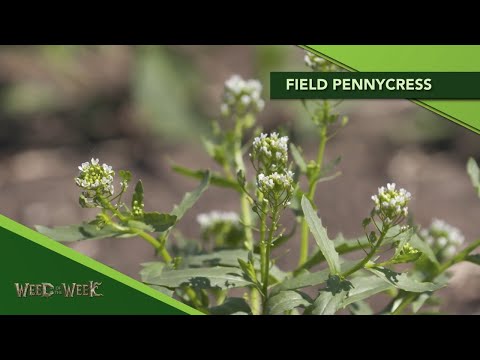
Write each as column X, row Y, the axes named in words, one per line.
column 234, row 250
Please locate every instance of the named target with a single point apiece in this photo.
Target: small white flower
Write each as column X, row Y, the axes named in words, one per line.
column 442, row 241
column 449, row 252
column 444, row 238
column 390, row 204
column 241, row 97
column 208, row 220
column 95, row 179
column 271, row 149
column 313, row 61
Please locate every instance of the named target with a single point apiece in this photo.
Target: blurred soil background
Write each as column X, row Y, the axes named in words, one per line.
column 137, row 107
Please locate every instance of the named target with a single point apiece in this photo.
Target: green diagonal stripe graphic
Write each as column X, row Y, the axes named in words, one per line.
column 27, row 257
column 405, row 58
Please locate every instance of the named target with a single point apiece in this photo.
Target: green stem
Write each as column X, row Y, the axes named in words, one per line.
column 312, row 187
column 255, row 301
column 244, row 204
column 410, row 297
column 107, row 205
column 266, row 274
column 361, row 264
column 192, row 295
column 159, row 247
column 263, row 247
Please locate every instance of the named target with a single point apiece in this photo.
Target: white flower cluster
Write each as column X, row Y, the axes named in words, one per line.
column 95, row 179
column 314, row 62
column 444, row 238
column 241, row 97
column 391, row 205
column 271, row 150
column 209, row 220
column 275, row 181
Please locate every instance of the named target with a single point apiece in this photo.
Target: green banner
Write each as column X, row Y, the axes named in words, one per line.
column 41, row 276
column 414, row 58
column 374, row 85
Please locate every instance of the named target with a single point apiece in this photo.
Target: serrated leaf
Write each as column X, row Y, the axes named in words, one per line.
column 402, row 281
column 286, row 300
column 137, row 197
column 232, row 306
column 159, row 222
column 298, row 158
column 190, row 198
column 202, row 278
column 79, row 232
column 475, row 258
column 216, row 179
column 424, row 248
column 474, row 173
column 365, row 287
column 320, row 234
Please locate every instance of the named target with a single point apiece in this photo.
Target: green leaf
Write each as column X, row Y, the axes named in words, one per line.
column 151, row 270
column 306, row 278
column 474, row 173
column 420, row 301
column 159, row 222
column 331, row 298
column 125, row 175
column 424, row 248
column 202, row 278
column 241, row 177
column 360, row 308
column 342, row 246
column 218, row 258
column 402, row 281
column 137, row 197
column 475, row 258
column 328, row 168
column 402, row 239
column 364, row 287
column 229, row 258
column 298, row 158
column 140, row 225
column 190, row 198
column 79, row 232
column 216, row 179
column 366, row 222
column 286, row 300
column 249, row 270
column 232, row 306
column 320, row 234
column 163, row 290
